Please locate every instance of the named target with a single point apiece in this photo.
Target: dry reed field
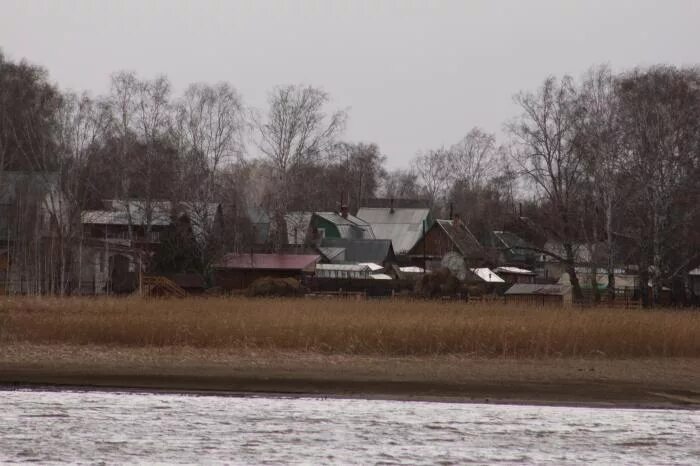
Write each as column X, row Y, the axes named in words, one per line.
column 331, row 326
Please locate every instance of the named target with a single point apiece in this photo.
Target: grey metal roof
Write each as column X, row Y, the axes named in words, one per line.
column 534, row 289
column 331, row 253
column 404, row 227
column 362, row 250
column 158, row 213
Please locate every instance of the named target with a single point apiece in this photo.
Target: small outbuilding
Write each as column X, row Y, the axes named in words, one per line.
column 542, row 295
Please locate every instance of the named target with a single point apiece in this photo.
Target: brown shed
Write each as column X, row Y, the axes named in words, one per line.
column 238, row 271
column 539, row 295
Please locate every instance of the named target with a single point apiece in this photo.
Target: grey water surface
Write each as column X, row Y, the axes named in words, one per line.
column 48, row 427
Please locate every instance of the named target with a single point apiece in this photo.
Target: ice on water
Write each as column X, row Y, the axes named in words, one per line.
column 92, row 427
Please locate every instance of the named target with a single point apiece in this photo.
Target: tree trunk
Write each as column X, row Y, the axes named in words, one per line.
column 571, row 270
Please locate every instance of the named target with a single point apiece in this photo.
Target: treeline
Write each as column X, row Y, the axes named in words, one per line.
column 587, row 161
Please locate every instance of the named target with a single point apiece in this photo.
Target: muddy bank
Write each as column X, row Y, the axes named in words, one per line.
column 600, row 382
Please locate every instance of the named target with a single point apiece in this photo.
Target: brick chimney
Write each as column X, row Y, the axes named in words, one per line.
column 457, row 220
column 344, row 210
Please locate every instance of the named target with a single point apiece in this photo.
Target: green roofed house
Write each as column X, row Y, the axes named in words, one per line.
column 508, row 248
column 339, row 225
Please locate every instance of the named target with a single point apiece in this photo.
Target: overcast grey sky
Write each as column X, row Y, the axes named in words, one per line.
column 414, row 74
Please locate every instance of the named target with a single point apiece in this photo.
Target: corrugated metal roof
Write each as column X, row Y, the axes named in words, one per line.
column 267, row 261
column 404, row 227
column 533, row 289
column 487, row 275
column 381, row 276
column 403, row 236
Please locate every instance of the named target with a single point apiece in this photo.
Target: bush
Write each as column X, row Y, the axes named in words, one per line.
column 269, row 286
column 438, row 283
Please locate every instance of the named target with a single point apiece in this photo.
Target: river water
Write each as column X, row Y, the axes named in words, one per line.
column 48, row 427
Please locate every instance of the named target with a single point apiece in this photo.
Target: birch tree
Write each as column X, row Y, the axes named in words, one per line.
column 296, row 131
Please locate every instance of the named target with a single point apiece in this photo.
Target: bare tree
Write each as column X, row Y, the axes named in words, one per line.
column 295, row 132
column 434, row 172
column 660, row 118
column 544, row 149
column 473, row 158
column 401, row 184
column 600, row 141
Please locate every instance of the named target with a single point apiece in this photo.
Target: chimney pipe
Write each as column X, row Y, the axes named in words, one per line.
column 391, row 205
column 451, row 210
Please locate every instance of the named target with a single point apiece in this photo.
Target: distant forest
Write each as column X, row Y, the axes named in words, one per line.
column 586, row 160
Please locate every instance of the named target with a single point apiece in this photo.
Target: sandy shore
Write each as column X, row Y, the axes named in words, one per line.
column 651, row 383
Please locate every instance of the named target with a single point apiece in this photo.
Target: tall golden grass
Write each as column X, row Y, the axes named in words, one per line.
column 352, row 327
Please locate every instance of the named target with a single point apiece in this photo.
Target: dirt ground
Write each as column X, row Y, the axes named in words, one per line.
column 659, row 383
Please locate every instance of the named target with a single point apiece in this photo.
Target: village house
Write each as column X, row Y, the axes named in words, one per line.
column 404, row 226
column 507, row 248
column 339, row 225
column 448, row 237
column 120, row 241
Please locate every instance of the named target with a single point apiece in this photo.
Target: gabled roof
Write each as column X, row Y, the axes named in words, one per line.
column 331, row 253
column 268, row 261
column 404, row 227
column 362, row 250
column 462, row 238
